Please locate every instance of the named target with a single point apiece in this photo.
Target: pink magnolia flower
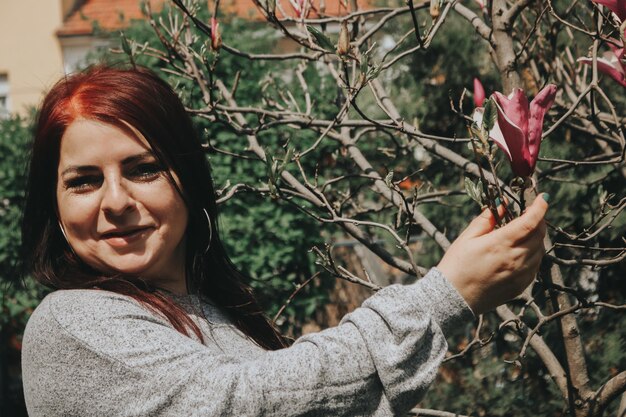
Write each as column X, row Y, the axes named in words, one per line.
column 519, row 127
column 479, row 93
column 611, row 63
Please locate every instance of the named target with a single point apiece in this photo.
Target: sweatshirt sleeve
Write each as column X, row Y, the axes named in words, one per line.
column 100, row 353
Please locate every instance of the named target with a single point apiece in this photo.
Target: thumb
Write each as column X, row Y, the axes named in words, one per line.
column 520, row 228
column 481, row 225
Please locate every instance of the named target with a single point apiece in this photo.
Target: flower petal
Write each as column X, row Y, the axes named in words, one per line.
column 495, row 134
column 617, row 50
column 479, row 93
column 516, row 142
column 612, row 68
column 613, row 60
column 477, row 115
column 515, row 106
column 538, row 108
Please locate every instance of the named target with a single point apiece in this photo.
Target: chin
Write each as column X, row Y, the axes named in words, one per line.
column 128, row 267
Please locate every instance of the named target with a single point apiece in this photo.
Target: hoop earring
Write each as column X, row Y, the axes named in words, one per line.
column 63, row 233
column 208, row 220
column 65, row 236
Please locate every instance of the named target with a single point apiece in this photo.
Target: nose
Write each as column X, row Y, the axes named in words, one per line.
column 116, row 199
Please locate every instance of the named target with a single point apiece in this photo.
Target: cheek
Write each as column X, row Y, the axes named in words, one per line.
column 168, row 206
column 78, row 214
column 179, row 216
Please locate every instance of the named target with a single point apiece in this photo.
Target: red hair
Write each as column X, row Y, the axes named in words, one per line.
column 139, row 98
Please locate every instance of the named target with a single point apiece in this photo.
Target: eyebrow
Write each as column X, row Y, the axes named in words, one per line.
column 77, row 169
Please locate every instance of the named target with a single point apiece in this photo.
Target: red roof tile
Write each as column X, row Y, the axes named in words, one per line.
column 117, row 14
column 109, row 15
column 247, row 10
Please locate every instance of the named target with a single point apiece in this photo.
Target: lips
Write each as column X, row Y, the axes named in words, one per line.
column 123, row 232
column 120, row 238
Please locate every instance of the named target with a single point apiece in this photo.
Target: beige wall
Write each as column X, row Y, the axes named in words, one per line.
column 29, row 51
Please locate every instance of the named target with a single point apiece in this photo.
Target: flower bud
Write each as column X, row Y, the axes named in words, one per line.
column 343, row 45
column 435, row 8
column 216, row 37
column 479, row 93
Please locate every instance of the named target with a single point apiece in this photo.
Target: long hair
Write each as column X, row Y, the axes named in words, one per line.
column 134, row 99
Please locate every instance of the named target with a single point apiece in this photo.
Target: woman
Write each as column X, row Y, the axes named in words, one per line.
column 150, row 318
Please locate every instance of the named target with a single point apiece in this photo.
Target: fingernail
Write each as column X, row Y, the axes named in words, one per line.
column 498, row 202
column 546, row 197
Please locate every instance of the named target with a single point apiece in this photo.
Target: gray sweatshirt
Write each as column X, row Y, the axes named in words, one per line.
column 98, row 353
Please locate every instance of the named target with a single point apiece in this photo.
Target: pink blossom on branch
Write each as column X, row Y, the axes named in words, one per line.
column 216, row 37
column 479, row 93
column 618, row 50
column 611, row 65
column 519, row 127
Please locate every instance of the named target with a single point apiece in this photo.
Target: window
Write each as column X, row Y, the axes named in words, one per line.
column 4, row 96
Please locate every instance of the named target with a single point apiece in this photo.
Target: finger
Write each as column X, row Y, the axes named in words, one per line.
column 502, row 207
column 481, row 225
column 541, row 229
column 531, row 220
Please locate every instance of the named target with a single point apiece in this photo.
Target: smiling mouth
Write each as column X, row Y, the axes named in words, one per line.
column 125, row 237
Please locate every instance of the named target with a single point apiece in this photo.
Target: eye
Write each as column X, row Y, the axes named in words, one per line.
column 82, row 182
column 146, row 171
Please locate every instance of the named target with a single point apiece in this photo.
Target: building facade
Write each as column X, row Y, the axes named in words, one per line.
column 41, row 40
column 30, row 54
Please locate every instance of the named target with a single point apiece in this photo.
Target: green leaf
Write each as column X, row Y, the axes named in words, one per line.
column 474, row 191
column 288, row 155
column 373, row 72
column 490, row 116
column 321, row 39
column 126, row 45
column 365, row 59
column 269, row 166
column 389, row 179
column 476, row 132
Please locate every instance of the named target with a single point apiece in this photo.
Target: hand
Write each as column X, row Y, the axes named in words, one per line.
column 490, row 267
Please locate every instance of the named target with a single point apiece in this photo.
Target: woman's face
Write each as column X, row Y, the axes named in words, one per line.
column 118, row 207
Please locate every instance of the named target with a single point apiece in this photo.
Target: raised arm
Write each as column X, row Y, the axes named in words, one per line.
column 379, row 361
